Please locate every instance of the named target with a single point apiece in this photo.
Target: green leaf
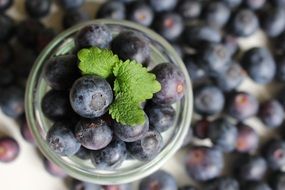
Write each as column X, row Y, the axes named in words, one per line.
column 97, row 61
column 134, row 80
column 126, row 111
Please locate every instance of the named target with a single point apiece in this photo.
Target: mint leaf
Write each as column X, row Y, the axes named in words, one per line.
column 126, row 111
column 97, row 61
column 134, row 80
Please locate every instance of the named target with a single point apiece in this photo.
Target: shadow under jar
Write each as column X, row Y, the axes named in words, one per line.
column 130, row 170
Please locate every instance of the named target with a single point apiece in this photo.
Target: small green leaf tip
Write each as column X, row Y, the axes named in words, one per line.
column 97, row 61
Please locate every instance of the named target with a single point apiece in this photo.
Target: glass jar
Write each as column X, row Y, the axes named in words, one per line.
column 131, row 170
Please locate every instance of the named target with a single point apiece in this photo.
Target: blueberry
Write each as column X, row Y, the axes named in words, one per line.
column 90, row 96
column 223, row 134
column 43, row 38
column 255, row 4
column 83, row 153
column 53, row 169
column 38, row 8
column 27, row 32
column 232, row 3
column 250, row 168
column 60, row 72
column 55, row 105
column 231, row 78
column 161, row 117
column 5, row 4
column 277, row 181
column 244, row 23
column 274, row 153
column 110, row 157
column 26, row 131
column 112, row 10
column 179, row 48
column 131, row 133
column 247, row 139
column 12, row 101
column 146, row 148
column 160, row 180
column 189, row 9
column 203, row 163
column 195, row 70
column 279, row 2
column 6, row 77
column 216, row 14
column 163, row 5
column 93, row 134
column 197, row 35
column 73, row 17
column 215, row 58
column 131, row 45
column 173, row 84
column 201, row 128
column 187, row 187
column 61, row 140
column 9, row 149
column 223, row 183
column 127, row 186
column 231, row 44
column 242, row 105
column 255, row 185
column 71, row 4
column 169, row 25
column 6, row 54
column 7, row 27
column 273, row 21
column 280, row 70
column 93, row 35
column 82, row 185
column 259, row 64
column 208, row 100
column 271, row 113
column 140, row 13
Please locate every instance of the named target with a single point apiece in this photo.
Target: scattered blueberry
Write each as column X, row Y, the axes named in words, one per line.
column 195, row 70
column 7, row 26
column 208, row 100
column 231, row 44
column 189, row 9
column 110, row 157
column 53, row 169
column 254, row 4
column 73, row 17
column 204, row 163
column 38, row 8
column 274, row 153
column 44, row 37
column 279, row 2
column 247, row 139
column 127, row 186
column 160, row 180
column 93, row 134
column 6, row 55
column 61, row 140
column 112, row 10
column 201, row 128
column 90, row 96
column 223, row 183
column 9, row 149
column 7, row 77
column 5, row 4
column 140, row 13
column 70, row 4
column 280, row 70
column 26, row 131
column 271, row 113
column 187, row 187
column 163, row 5
column 255, row 185
column 172, row 82
column 232, row 3
column 82, row 185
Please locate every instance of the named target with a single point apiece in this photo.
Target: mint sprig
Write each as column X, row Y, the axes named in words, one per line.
column 133, row 84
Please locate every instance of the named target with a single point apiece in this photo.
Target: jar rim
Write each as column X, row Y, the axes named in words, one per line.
column 124, row 177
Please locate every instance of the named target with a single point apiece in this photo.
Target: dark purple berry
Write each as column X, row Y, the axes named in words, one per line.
column 141, row 13
column 232, row 3
column 90, row 96
column 160, row 180
column 93, row 35
column 161, row 118
column 61, row 140
column 242, row 105
column 203, row 163
column 38, row 8
column 26, row 131
column 112, row 10
column 163, row 5
column 279, row 3
column 223, row 183
column 255, row 185
column 73, row 17
column 44, row 37
column 280, row 70
column 169, row 25
column 173, row 84
column 9, row 149
column 254, row 4
column 223, row 134
column 146, row 148
column 208, row 100
column 274, row 153
column 7, row 27
column 271, row 113
column 93, row 134
column 247, row 139
column 71, row 4
column 131, row 45
column 6, row 55
column 110, row 157
column 82, row 185
column 131, row 133
column 201, row 128
column 83, row 153
column 53, row 169
column 55, row 105
column 5, row 4
column 189, row 9
column 231, row 44
column 60, row 72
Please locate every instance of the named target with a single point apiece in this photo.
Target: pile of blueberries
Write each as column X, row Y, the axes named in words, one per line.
column 205, row 34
